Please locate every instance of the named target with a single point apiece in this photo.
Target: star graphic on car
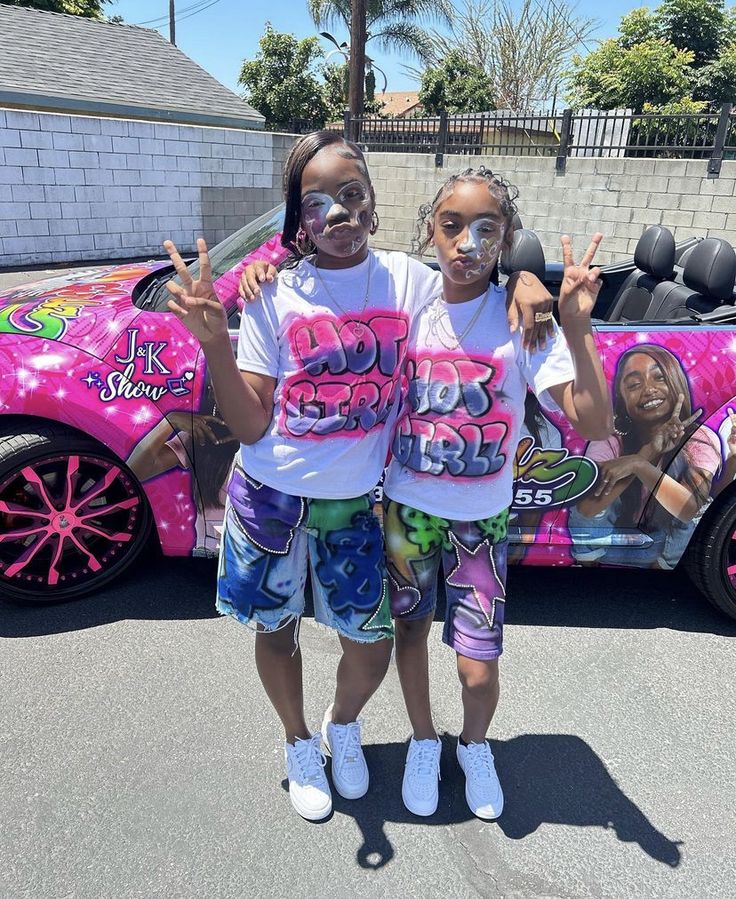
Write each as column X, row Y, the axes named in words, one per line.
column 92, row 379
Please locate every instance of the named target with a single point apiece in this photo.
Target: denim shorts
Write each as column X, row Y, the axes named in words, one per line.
column 272, row 540
column 473, row 556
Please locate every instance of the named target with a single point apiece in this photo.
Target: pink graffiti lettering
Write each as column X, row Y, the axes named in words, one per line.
column 325, row 345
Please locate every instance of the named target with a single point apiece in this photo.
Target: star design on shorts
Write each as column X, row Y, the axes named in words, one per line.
column 406, row 597
column 471, row 569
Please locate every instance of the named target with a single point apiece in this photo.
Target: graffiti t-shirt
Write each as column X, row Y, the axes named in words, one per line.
column 454, row 445
column 335, row 340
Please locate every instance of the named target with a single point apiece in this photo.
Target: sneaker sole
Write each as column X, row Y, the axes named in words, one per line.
column 470, row 803
column 311, row 814
column 477, row 813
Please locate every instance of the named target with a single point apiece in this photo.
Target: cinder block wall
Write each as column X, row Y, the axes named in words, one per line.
column 620, row 197
column 76, row 188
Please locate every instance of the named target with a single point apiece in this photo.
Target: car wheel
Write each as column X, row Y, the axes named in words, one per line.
column 711, row 556
column 72, row 517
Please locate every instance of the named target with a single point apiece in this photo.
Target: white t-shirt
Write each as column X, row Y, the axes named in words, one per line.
column 454, row 446
column 336, row 355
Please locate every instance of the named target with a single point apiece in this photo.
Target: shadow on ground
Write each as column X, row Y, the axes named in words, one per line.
column 547, row 779
column 184, row 588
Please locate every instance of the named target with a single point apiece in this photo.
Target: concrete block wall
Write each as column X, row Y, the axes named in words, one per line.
column 80, row 188
column 620, row 197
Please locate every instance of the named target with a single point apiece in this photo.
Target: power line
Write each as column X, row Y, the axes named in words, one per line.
column 162, row 20
column 196, row 11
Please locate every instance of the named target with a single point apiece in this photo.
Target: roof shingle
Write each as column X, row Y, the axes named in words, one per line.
column 65, row 62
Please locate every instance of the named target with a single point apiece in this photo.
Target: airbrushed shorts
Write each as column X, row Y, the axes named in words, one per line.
column 272, row 539
column 473, row 557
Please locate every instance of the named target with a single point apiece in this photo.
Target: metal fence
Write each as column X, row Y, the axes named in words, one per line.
column 709, row 135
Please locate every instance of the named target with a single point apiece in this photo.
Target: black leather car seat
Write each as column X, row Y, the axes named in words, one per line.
column 526, row 254
column 654, row 259
column 709, row 276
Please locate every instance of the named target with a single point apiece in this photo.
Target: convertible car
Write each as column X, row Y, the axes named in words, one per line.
column 110, row 437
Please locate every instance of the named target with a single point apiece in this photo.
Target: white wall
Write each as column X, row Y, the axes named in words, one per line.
column 79, row 188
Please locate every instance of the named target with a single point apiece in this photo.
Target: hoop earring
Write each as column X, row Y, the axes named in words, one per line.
column 375, row 222
column 303, row 243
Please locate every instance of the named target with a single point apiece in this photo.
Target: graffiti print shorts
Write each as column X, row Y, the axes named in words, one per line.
column 473, row 557
column 271, row 540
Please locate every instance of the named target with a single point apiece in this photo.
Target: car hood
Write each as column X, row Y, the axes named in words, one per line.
column 86, row 309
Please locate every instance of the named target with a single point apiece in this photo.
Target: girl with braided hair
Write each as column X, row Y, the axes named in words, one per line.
column 448, row 487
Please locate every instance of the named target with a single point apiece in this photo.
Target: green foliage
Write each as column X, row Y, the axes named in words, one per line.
column 281, row 82
column 456, row 85
column 88, row 9
column 717, row 82
column 393, row 25
column 696, row 25
column 637, row 26
column 682, row 50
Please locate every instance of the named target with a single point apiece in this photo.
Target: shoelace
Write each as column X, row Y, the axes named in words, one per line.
column 310, row 757
column 481, row 760
column 349, row 737
column 425, row 760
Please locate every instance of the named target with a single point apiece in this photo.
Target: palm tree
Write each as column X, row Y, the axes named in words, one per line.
column 394, row 25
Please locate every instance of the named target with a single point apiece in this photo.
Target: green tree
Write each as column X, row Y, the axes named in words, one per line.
column 637, row 26
column 281, row 82
column 88, row 9
column 717, row 82
column 456, row 85
column 394, row 25
column 523, row 48
column 696, row 25
column 681, row 51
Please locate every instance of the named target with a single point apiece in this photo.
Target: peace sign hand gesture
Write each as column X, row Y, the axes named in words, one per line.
column 670, row 434
column 195, row 303
column 580, row 283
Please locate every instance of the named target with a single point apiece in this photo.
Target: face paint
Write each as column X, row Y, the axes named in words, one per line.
column 483, row 244
column 330, row 220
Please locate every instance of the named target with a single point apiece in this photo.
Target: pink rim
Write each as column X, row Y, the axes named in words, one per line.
column 730, row 561
column 65, row 520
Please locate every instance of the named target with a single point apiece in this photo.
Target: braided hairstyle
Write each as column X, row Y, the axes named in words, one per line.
column 499, row 188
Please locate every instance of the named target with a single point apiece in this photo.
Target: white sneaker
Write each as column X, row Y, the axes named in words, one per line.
column 420, row 788
column 309, row 790
column 482, row 789
column 349, row 767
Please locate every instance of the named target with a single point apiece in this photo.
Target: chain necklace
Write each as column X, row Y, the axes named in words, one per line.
column 357, row 327
column 437, row 324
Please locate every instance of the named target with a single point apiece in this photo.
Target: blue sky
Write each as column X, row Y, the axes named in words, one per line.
column 221, row 37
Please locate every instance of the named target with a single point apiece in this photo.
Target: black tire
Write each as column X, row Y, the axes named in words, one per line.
column 712, row 551
column 72, row 516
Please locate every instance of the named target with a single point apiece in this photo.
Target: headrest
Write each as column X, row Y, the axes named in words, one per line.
column 526, row 255
column 655, row 252
column 517, row 222
column 711, row 268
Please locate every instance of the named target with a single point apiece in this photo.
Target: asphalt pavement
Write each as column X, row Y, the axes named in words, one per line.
column 140, row 758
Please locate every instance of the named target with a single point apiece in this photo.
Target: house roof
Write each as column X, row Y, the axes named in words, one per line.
column 398, row 103
column 67, row 63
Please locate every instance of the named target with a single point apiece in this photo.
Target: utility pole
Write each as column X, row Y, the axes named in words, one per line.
column 357, row 64
column 172, row 23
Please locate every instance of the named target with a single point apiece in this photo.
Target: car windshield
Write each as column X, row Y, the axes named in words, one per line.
column 249, row 243
column 229, row 252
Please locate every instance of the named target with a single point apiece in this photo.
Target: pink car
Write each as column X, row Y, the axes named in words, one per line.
column 109, row 432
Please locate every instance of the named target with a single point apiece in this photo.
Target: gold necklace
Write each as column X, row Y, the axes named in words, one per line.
column 437, row 323
column 356, row 326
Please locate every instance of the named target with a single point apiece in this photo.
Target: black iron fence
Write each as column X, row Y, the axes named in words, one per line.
column 708, row 135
